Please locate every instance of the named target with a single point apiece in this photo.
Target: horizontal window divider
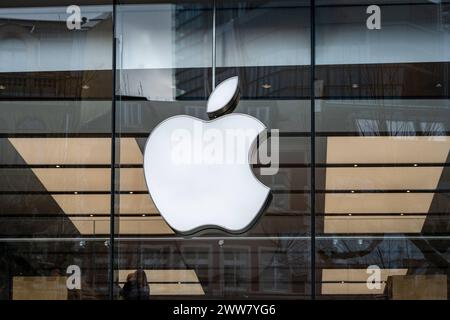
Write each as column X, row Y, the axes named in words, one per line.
column 360, row 214
column 53, row 192
column 71, row 166
column 125, row 215
column 283, row 165
column 394, row 134
column 267, row 214
column 53, row 239
column 355, row 191
column 55, row 215
column 53, row 98
column 56, row 166
column 383, row 97
column 378, row 236
column 279, row 191
column 284, row 134
column 287, row 191
column 122, row 237
column 259, row 238
column 57, row 135
column 349, row 281
column 382, row 165
column 169, row 282
column 280, row 165
column 384, row 4
column 125, row 238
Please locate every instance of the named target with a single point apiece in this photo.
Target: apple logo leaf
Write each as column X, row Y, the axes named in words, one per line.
column 224, row 98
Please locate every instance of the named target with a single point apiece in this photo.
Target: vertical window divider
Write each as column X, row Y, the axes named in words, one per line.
column 113, row 156
column 313, row 149
column 213, row 71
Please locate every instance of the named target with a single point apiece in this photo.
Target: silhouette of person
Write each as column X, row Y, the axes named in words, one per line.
column 136, row 286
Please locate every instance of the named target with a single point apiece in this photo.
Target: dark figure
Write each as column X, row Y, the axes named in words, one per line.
column 136, row 287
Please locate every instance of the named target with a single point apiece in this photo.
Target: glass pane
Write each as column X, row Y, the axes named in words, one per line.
column 55, row 148
column 168, row 60
column 54, row 269
column 382, row 150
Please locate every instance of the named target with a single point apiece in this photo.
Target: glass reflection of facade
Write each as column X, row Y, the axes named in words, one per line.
column 364, row 120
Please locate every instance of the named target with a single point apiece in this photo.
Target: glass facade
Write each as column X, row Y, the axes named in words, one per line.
column 361, row 205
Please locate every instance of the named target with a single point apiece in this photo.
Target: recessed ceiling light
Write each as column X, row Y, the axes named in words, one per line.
column 266, row 86
column 355, row 165
column 2, row 87
column 131, row 192
column 91, row 215
column 58, row 166
column 143, row 215
column 438, row 85
column 416, row 165
column 349, row 214
column 355, row 86
column 408, row 191
column 401, row 214
column 353, row 191
column 85, row 87
column 75, row 192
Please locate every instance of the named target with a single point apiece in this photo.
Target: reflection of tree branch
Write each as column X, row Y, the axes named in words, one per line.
column 432, row 255
column 349, row 253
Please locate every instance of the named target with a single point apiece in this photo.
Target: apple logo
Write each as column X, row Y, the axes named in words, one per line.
column 209, row 184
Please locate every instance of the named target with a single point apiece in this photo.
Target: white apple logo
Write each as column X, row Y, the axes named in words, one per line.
column 203, row 194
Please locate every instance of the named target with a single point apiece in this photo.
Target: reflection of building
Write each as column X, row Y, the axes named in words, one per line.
column 380, row 145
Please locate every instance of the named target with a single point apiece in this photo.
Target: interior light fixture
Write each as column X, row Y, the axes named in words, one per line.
column 266, row 86
column 85, row 87
column 2, row 87
column 355, row 86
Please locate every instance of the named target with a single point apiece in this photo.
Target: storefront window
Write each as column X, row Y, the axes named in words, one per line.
column 55, row 151
column 382, row 146
column 168, row 68
column 358, row 93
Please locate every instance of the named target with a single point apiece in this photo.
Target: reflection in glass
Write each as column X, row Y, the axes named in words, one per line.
column 55, row 152
column 382, row 152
